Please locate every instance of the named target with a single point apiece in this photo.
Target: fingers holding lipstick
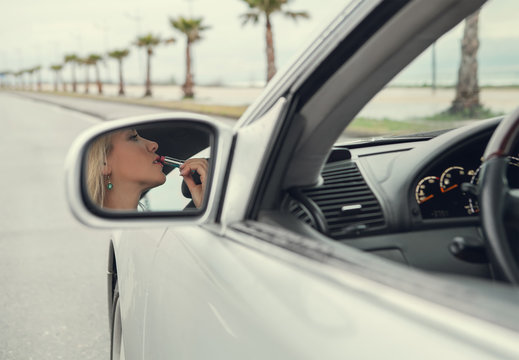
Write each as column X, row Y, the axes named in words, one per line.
column 188, row 170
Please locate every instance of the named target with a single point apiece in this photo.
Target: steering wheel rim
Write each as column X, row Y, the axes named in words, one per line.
column 499, row 204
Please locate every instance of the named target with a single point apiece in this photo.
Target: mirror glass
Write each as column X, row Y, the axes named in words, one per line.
column 156, row 167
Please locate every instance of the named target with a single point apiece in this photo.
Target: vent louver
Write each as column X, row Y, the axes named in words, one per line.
column 301, row 212
column 346, row 202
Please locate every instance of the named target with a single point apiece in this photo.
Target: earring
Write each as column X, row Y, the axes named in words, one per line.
column 109, row 186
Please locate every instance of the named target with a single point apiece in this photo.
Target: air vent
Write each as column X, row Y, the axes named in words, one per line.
column 345, row 201
column 301, row 212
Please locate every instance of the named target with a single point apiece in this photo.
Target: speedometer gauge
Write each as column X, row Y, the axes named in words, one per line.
column 427, row 189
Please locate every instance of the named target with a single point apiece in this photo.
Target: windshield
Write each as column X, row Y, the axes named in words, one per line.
column 470, row 73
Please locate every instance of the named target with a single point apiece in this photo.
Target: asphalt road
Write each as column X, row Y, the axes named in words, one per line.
column 52, row 268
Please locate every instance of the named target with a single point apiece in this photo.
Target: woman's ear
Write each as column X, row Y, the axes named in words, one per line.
column 107, row 170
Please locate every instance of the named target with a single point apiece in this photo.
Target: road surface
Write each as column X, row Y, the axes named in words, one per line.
column 52, row 268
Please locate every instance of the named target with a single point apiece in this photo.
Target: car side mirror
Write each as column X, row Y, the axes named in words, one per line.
column 147, row 169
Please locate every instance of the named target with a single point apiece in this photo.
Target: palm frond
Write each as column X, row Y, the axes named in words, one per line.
column 252, row 17
column 119, row 54
column 295, row 15
column 191, row 27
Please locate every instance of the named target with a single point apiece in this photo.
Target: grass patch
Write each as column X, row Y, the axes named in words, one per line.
column 218, row 110
column 372, row 127
column 475, row 114
column 184, row 105
column 362, row 126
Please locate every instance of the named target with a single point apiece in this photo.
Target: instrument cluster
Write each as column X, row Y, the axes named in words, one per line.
column 440, row 193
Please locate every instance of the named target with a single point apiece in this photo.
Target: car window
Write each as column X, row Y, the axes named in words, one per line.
column 420, row 98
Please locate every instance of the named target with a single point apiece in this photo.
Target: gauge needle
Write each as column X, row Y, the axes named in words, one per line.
column 449, row 188
column 427, row 198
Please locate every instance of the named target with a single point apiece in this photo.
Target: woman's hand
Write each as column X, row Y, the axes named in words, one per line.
column 201, row 166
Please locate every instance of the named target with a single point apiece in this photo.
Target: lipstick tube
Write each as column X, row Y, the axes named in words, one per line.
column 166, row 160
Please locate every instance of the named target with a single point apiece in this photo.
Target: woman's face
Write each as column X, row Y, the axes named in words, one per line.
column 132, row 162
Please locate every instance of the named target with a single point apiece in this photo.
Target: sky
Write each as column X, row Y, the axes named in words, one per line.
column 36, row 32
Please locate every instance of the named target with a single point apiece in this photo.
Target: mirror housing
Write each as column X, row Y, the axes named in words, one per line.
column 178, row 127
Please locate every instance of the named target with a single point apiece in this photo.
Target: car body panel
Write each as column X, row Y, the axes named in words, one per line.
column 227, row 299
column 249, row 156
column 134, row 252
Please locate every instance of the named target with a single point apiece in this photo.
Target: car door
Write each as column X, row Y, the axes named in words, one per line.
column 245, row 288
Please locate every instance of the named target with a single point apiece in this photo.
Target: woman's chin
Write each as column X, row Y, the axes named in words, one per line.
column 162, row 180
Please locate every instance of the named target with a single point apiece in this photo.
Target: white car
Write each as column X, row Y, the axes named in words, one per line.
column 311, row 244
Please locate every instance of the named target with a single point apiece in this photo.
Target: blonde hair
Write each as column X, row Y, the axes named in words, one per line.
column 96, row 160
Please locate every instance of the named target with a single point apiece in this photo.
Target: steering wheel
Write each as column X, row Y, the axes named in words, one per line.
column 499, row 204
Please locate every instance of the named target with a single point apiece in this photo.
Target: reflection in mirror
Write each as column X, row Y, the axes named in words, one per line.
column 153, row 167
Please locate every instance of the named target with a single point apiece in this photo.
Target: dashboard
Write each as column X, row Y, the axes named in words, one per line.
column 408, row 200
column 416, row 182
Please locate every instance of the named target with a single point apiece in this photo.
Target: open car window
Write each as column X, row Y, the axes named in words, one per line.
column 421, row 97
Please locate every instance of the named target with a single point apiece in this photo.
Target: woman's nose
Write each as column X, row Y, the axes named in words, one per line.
column 152, row 146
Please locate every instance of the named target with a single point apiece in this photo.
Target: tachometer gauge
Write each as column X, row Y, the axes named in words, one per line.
column 427, row 189
column 452, row 178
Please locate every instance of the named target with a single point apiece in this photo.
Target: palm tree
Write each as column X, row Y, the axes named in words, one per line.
column 267, row 8
column 57, row 70
column 31, row 76
column 19, row 75
column 192, row 29
column 37, row 70
column 93, row 59
column 119, row 55
column 467, row 89
column 84, row 62
column 73, row 59
column 16, row 81
column 148, row 42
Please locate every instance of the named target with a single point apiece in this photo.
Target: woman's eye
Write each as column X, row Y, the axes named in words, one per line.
column 134, row 137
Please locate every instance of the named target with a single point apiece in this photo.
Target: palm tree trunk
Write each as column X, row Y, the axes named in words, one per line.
column 98, row 81
column 271, row 61
column 39, row 80
column 64, row 84
column 121, row 81
column 148, row 74
column 74, row 82
column 56, row 81
column 188, row 85
column 467, row 89
column 87, row 80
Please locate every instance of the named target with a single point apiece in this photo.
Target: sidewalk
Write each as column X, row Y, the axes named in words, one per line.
column 105, row 108
column 218, row 102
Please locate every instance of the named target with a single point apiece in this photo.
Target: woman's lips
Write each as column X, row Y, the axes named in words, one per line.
column 159, row 160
